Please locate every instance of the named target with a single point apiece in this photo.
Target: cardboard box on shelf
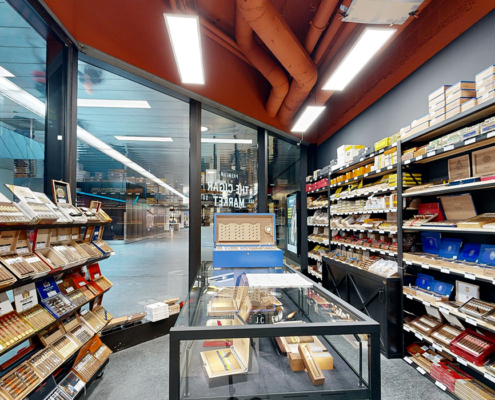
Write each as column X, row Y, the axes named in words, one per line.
column 461, row 85
column 456, row 103
column 484, row 89
column 420, row 121
column 437, row 119
column 469, row 104
column 487, row 96
column 438, row 94
column 469, row 93
column 351, row 151
column 487, row 73
column 454, row 111
column 437, row 112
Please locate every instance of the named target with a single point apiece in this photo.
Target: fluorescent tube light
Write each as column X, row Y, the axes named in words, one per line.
column 113, row 103
column 183, row 31
column 21, row 97
column 228, row 141
column 204, row 129
column 144, row 138
column 308, row 116
column 5, row 73
column 361, row 53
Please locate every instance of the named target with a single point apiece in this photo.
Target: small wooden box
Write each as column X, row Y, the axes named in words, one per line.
column 429, row 322
column 314, row 371
column 220, row 306
column 459, row 168
column 324, row 361
column 484, row 162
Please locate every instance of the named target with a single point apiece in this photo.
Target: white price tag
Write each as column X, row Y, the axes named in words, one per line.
column 62, row 237
column 408, row 360
column 426, row 303
column 419, row 158
column 444, row 310
column 391, row 253
column 410, row 263
column 347, row 180
column 418, row 335
column 490, row 377
column 382, row 252
column 406, row 328
column 69, row 289
column 421, row 370
column 4, row 248
column 470, row 141
column 471, row 321
column 449, row 147
column 467, row 275
column 381, row 231
column 431, row 153
column 372, row 155
column 437, row 347
column 407, row 162
column 365, row 175
column 462, row 361
column 79, row 385
column 390, row 167
column 51, row 293
column 409, row 297
column 445, row 270
column 425, row 266
column 441, row 385
column 491, row 134
column 361, row 159
column 378, row 171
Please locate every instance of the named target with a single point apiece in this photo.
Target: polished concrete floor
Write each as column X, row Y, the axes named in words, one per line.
column 157, row 269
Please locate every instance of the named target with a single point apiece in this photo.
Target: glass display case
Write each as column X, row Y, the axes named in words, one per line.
column 259, row 332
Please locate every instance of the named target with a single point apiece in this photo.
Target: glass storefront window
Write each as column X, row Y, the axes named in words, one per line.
column 142, row 179
column 22, row 102
column 229, row 173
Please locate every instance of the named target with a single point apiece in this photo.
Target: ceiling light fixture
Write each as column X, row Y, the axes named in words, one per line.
column 21, row 97
column 5, row 73
column 113, row 103
column 228, row 141
column 183, row 31
column 204, row 129
column 308, row 116
column 144, row 138
column 361, row 53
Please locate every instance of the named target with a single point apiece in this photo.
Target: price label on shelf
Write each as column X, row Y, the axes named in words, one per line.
column 408, row 360
column 418, row 335
column 361, row 159
column 406, row 328
column 381, row 231
column 391, row 254
column 467, row 275
column 390, row 167
column 419, row 158
column 381, row 151
column 426, row 303
column 491, row 134
column 444, row 310
column 365, row 175
column 490, row 377
column 409, row 262
column 425, row 266
column 407, row 162
column 421, row 370
column 347, row 180
column 472, row 321
column 445, row 270
column 409, row 297
column 441, row 385
column 112, row 253
column 431, row 153
column 461, row 361
column 437, row 347
column 372, row 155
column 470, row 141
column 378, row 171
column 449, row 147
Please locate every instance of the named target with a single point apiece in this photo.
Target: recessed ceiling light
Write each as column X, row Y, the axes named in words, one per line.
column 5, row 73
column 204, row 129
column 144, row 138
column 113, row 103
column 183, row 31
column 308, row 116
column 361, row 53
column 228, row 141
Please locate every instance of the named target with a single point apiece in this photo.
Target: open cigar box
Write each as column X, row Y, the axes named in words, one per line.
column 11, row 213
column 45, row 252
column 90, row 214
column 13, row 329
column 477, row 308
column 23, row 250
column 457, row 208
column 57, row 239
column 63, row 199
column 65, row 238
column 448, row 332
column 96, row 276
column 46, row 361
column 102, row 313
column 19, row 382
column 11, row 260
column 37, row 317
column 478, row 222
column 473, row 346
column 290, row 344
column 52, row 299
column 32, row 206
column 220, row 306
column 429, row 322
column 96, row 206
column 314, row 371
column 62, row 217
column 86, row 245
column 245, row 241
column 234, row 363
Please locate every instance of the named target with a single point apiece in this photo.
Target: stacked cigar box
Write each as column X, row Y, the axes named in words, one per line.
column 457, row 95
column 11, row 213
column 156, row 311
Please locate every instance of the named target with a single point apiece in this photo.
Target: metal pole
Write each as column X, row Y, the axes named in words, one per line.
column 262, row 170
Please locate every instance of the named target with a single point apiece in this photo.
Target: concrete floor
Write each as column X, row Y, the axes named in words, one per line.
column 157, row 269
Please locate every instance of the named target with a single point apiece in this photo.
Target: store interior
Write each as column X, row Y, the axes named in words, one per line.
column 259, row 199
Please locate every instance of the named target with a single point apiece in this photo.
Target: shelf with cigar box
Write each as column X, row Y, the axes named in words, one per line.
column 371, row 174
column 283, row 327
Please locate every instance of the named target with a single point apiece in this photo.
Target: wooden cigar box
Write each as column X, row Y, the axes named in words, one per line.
column 477, row 222
column 43, row 249
column 429, row 322
column 220, row 306
column 314, row 371
column 324, row 361
column 459, row 168
column 63, row 199
column 221, row 366
column 483, row 162
column 19, row 382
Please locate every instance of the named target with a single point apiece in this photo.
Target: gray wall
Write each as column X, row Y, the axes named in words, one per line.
column 462, row 59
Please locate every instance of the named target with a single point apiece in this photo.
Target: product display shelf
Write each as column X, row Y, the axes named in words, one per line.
column 318, row 242
column 369, row 175
column 354, row 267
column 317, row 208
column 481, row 111
column 351, row 195
column 373, row 250
column 23, row 282
column 78, row 308
column 421, row 371
column 440, row 347
column 51, row 226
column 454, row 149
column 318, row 191
column 362, row 160
column 468, row 275
column 384, row 211
column 454, row 230
column 318, row 225
column 96, row 376
column 452, row 189
column 367, row 230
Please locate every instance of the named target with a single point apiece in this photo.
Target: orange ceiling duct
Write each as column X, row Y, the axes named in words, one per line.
column 264, row 63
column 319, row 23
column 272, row 29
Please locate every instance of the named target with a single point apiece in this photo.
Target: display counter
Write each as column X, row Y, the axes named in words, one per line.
column 259, row 332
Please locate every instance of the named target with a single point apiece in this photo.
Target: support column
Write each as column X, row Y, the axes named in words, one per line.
column 262, row 170
column 304, row 208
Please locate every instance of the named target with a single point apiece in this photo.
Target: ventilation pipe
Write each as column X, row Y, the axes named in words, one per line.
column 319, row 23
column 264, row 63
column 272, row 29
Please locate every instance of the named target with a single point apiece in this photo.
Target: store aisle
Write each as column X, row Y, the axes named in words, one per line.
column 141, row 372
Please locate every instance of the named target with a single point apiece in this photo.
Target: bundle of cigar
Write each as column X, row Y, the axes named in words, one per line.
column 102, row 353
column 65, row 346
column 476, row 308
column 102, row 313
column 36, row 263
column 18, row 266
column 41, row 210
column 20, row 381
column 37, row 317
column 6, row 278
column 58, row 305
column 77, row 298
column 473, row 344
column 66, row 253
column 471, row 389
column 175, row 309
column 10, row 214
column 87, row 367
column 446, row 334
column 46, row 361
column 13, row 329
column 221, row 360
column 81, row 334
column 104, row 283
column 93, row 321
